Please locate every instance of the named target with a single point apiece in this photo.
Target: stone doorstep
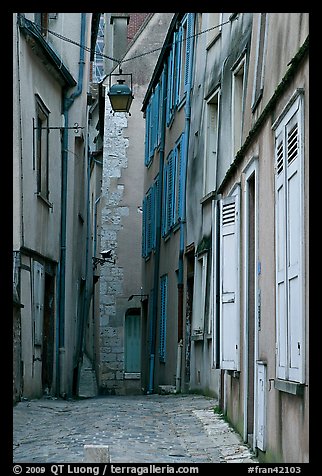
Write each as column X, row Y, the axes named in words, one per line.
column 96, row 454
column 166, row 389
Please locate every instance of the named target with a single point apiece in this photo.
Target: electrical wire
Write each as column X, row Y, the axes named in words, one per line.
column 119, row 61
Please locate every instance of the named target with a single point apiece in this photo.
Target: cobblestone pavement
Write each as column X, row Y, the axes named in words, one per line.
column 137, row 429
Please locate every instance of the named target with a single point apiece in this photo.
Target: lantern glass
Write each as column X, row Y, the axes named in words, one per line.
column 120, row 97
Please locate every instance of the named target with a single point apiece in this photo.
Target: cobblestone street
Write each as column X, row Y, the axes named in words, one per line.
column 137, row 429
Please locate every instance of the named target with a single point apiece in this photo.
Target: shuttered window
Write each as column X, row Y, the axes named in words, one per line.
column 189, row 48
column 149, row 219
column 173, row 187
column 179, row 65
column 180, row 179
column 163, row 317
column 168, row 214
column 229, row 283
column 289, row 230
column 153, row 123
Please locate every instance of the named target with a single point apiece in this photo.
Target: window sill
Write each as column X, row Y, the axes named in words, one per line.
column 294, row 388
column 197, row 337
column 213, row 41
column 132, row 375
column 45, row 201
column 234, row 373
column 210, row 196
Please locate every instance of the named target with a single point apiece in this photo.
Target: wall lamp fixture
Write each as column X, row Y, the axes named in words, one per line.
column 145, row 296
column 106, row 258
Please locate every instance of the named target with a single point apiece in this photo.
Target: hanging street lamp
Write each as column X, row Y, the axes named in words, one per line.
column 120, row 94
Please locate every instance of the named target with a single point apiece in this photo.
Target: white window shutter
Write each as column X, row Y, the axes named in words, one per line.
column 229, row 283
column 294, row 249
column 261, row 406
column 38, row 301
column 280, row 225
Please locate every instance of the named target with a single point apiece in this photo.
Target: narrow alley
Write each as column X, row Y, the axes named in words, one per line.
column 137, row 429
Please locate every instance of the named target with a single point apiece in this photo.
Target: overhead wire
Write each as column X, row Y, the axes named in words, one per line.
column 119, row 61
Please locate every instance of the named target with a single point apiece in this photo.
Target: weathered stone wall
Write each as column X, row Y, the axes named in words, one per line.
column 112, row 275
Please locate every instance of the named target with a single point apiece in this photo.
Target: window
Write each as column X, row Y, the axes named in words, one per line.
column 289, row 240
column 153, row 123
column 150, row 217
column 179, row 179
column 174, row 170
column 199, row 297
column 179, row 65
column 186, row 42
column 259, row 65
column 168, row 206
column 148, row 221
column 42, row 148
column 211, row 140
column 163, row 317
column 214, row 20
column 238, row 84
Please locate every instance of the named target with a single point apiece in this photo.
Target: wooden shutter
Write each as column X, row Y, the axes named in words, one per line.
column 229, row 283
column 189, row 49
column 156, row 211
column 144, row 228
column 38, row 301
column 178, row 66
column 280, row 226
column 147, row 135
column 164, row 200
column 149, row 220
column 294, row 248
column 163, row 317
column 261, row 406
column 171, row 191
column 169, row 86
column 180, row 159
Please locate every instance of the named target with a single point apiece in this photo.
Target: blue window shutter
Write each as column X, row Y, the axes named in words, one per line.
column 151, row 148
column 165, row 200
column 178, row 66
column 163, row 317
column 169, row 86
column 147, row 134
column 144, row 228
column 149, row 214
column 171, row 190
column 189, row 46
column 155, row 207
column 181, row 173
column 156, row 114
column 160, row 125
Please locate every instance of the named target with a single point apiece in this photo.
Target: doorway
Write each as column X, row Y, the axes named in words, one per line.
column 250, row 301
column 132, row 346
column 48, row 335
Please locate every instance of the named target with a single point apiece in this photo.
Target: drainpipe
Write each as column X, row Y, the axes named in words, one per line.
column 95, row 224
column 67, row 103
column 88, row 260
column 157, row 246
column 183, row 218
